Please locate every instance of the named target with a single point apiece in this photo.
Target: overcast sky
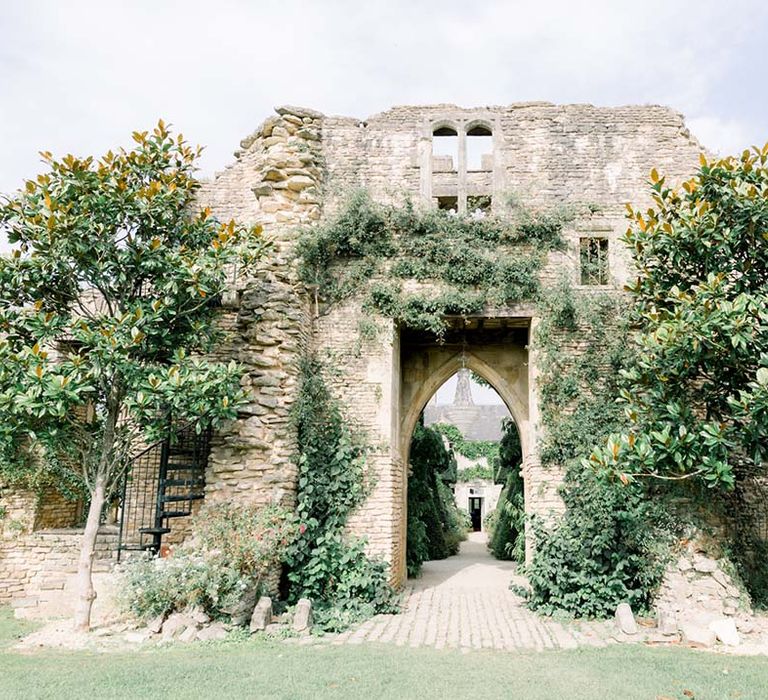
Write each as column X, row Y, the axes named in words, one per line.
column 79, row 76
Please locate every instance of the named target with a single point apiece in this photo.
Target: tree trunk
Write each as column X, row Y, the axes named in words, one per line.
column 86, row 592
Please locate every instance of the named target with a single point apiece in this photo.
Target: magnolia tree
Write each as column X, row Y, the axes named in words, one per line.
column 107, row 309
column 697, row 395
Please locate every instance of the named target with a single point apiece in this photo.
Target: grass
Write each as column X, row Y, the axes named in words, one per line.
column 257, row 669
column 11, row 630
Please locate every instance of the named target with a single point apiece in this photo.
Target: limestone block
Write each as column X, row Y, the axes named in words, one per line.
column 745, row 625
column 262, row 614
column 625, row 620
column 199, row 615
column 696, row 634
column 725, row 630
column 241, row 612
column 216, row 631
column 666, row 622
column 189, row 634
column 704, row 565
column 175, row 625
column 308, row 134
column 300, row 182
column 302, row 112
column 302, row 617
column 273, row 175
column 156, row 624
column 262, row 190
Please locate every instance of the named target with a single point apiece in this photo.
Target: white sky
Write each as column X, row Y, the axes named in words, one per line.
column 79, row 76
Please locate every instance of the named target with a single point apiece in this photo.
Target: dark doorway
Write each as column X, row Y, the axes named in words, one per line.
column 476, row 512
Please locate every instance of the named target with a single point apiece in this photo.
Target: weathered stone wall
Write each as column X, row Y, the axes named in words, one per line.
column 299, row 166
column 39, row 571
column 275, row 182
column 543, row 155
column 54, row 510
column 38, row 561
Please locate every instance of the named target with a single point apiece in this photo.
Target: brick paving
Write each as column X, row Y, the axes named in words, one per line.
column 464, row 602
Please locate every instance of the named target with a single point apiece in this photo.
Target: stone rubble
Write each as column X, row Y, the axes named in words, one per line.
column 725, row 631
column 697, row 634
column 698, row 594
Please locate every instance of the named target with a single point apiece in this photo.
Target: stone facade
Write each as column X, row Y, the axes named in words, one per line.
column 298, row 167
column 301, row 165
column 39, row 548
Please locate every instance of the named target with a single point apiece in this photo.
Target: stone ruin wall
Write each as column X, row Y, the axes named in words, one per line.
column 275, row 182
column 545, row 155
column 299, row 166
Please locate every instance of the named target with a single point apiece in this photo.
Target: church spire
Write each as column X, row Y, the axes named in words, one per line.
column 463, row 395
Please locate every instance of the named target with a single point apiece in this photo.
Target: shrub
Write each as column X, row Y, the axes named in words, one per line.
column 507, row 538
column 611, row 546
column 435, row 524
column 232, row 550
column 352, row 586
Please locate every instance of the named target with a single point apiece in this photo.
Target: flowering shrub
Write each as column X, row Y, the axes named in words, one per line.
column 249, row 539
column 232, row 550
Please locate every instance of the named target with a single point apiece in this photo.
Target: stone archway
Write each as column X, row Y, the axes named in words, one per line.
column 496, row 350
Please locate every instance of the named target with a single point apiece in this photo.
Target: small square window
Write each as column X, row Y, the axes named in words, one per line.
column 593, row 257
column 449, row 204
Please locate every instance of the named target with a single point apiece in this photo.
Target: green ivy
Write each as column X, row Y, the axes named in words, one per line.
column 372, row 248
column 611, row 547
column 473, row 473
column 325, row 564
column 583, row 342
column 471, row 449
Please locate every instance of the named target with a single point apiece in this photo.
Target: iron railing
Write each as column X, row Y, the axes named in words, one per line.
column 162, row 483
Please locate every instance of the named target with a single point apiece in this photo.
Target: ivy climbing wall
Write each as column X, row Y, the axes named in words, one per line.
column 300, row 167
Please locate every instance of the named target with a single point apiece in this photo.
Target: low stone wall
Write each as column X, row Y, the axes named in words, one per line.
column 55, row 511
column 38, row 572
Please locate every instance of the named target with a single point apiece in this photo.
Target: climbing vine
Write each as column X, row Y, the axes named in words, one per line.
column 470, row 263
column 471, row 449
column 325, row 563
column 418, row 267
column 613, row 541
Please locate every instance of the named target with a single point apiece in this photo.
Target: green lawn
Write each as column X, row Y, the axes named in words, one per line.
column 274, row 670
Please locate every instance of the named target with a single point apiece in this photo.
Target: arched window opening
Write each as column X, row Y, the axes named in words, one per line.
column 465, row 453
column 445, row 150
column 479, row 148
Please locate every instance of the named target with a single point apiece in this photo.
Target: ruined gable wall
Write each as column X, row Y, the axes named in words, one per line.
column 545, row 155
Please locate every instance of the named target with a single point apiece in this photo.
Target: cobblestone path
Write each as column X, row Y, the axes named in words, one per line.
column 465, row 602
